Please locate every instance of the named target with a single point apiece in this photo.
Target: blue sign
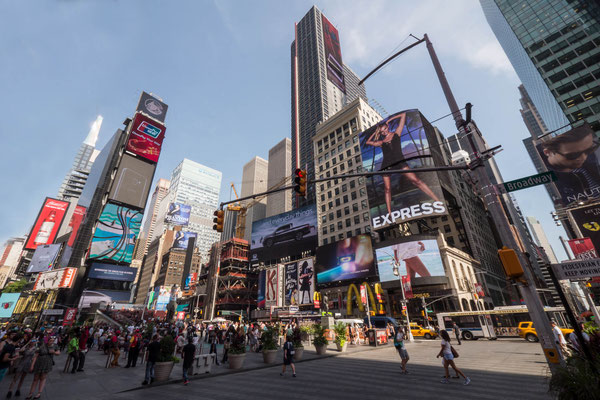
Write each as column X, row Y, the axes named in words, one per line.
column 182, row 238
column 150, row 129
column 178, row 214
column 8, row 302
column 112, row 272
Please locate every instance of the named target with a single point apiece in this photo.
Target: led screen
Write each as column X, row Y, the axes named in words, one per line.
column 346, row 259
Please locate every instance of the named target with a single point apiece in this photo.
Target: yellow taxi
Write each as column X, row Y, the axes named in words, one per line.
column 527, row 331
column 418, row 330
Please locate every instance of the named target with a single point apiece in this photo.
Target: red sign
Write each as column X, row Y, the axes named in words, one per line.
column 363, row 294
column 181, row 315
column 146, row 137
column 70, row 315
column 408, row 293
column 583, row 249
column 55, row 279
column 47, row 223
column 76, row 220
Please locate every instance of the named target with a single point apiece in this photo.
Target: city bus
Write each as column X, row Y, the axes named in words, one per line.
column 491, row 324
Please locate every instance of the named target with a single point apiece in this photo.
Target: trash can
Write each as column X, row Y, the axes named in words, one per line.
column 372, row 336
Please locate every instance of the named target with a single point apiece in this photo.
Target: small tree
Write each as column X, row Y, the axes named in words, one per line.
column 269, row 338
column 340, row 333
column 238, row 346
column 319, row 335
column 297, row 338
column 167, row 349
column 15, row 287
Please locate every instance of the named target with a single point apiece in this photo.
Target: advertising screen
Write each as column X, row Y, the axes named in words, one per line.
column 75, row 223
column 146, row 137
column 333, row 55
column 271, row 286
column 163, row 297
column 44, row 258
column 55, row 279
column 112, row 272
column 346, row 259
column 583, row 249
column 306, row 281
column 573, row 157
column 132, row 182
column 8, row 302
column 181, row 239
column 262, row 275
column 152, row 107
column 178, row 214
column 400, row 142
column 587, row 220
column 412, row 257
column 47, row 223
column 116, row 232
column 291, row 284
column 284, row 234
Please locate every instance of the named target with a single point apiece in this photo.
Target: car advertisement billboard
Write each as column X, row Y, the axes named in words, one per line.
column 306, row 281
column 132, row 182
column 347, row 259
column 415, row 257
column 56, row 279
column 75, row 223
column 583, row 248
column 47, row 223
column 115, row 235
column 44, row 258
column 284, row 235
column 112, row 272
column 573, row 157
column 400, row 142
column 291, row 284
column 146, row 137
column 152, row 107
column 587, row 220
column 181, row 239
column 178, row 214
column 8, row 302
column 333, row 55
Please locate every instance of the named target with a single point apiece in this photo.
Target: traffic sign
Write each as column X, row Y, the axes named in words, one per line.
column 578, row 270
column 528, row 181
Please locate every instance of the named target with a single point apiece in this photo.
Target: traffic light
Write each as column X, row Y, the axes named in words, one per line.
column 218, row 220
column 510, row 262
column 300, row 181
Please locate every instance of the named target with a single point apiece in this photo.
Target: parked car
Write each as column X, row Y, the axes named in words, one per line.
column 527, row 331
column 287, row 232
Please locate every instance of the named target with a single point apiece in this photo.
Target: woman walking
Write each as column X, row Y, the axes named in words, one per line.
column 448, row 352
column 41, row 366
column 26, row 354
column 288, row 356
column 399, row 344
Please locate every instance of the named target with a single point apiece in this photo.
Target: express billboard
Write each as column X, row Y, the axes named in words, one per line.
column 115, row 235
column 284, row 234
column 152, row 107
column 573, row 157
column 178, row 214
column 132, row 182
column 347, row 259
column 400, row 142
column 182, row 238
column 47, row 223
column 112, row 272
column 8, row 302
column 333, row 54
column 146, row 137
column 44, row 258
column 587, row 220
column 411, row 256
column 75, row 223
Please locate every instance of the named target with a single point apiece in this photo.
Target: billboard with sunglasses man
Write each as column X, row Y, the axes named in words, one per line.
column 573, row 156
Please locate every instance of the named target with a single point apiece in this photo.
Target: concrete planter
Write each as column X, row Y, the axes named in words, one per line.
column 162, row 371
column 342, row 349
column 236, row 361
column 299, row 352
column 321, row 349
column 269, row 356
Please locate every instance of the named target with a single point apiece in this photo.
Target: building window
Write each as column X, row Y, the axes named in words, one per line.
column 356, row 219
column 353, row 196
column 352, row 184
column 325, row 241
column 338, row 213
column 337, row 191
column 324, row 230
column 447, row 229
column 340, row 225
column 346, row 210
column 355, row 207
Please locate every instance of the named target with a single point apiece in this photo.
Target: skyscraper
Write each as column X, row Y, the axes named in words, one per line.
column 160, row 191
column 254, row 180
column 280, row 173
column 554, row 46
column 321, row 84
column 75, row 179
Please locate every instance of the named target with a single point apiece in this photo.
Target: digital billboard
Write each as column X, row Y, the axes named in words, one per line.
column 44, row 258
column 152, row 107
column 75, row 223
column 350, row 258
column 284, row 234
column 8, row 302
column 181, row 239
column 262, row 276
column 163, row 297
column 47, row 223
column 306, row 281
column 146, row 137
column 132, row 182
column 112, row 272
column 115, row 235
column 291, row 284
column 55, row 279
column 573, row 157
column 272, row 287
column 333, row 55
column 583, row 249
column 587, row 220
column 178, row 214
column 400, row 142
column 415, row 257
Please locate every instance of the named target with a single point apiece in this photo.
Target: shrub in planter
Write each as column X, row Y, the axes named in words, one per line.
column 269, row 342
column 340, row 336
column 298, row 346
column 319, row 340
column 576, row 381
column 166, row 359
column 237, row 353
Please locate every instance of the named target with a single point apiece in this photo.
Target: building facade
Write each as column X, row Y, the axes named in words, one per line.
column 539, row 236
column 280, row 174
column 172, row 267
column 9, row 259
column 254, row 180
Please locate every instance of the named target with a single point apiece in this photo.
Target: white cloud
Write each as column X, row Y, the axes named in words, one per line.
column 457, row 28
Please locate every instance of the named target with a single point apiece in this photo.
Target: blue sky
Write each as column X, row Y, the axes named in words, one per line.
column 224, row 69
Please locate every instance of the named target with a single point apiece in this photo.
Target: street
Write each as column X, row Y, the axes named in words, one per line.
column 502, row 369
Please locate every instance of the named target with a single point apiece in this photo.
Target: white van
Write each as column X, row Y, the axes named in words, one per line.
column 356, row 323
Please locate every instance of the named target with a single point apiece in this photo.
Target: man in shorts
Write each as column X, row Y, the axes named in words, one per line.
column 399, row 344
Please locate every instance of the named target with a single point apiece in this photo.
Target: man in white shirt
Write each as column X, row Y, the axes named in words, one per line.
column 560, row 339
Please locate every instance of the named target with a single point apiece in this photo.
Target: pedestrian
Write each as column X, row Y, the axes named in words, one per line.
column 456, row 330
column 153, row 353
column 188, row 353
column 560, row 339
column 399, row 344
column 134, row 349
column 212, row 340
column 449, row 354
column 114, row 349
column 73, row 349
column 575, row 341
column 83, row 342
column 288, row 356
column 26, row 353
column 41, row 366
column 7, row 352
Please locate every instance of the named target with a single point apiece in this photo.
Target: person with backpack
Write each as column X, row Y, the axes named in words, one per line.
column 288, row 356
column 399, row 344
column 188, row 352
column 449, row 354
column 134, row 349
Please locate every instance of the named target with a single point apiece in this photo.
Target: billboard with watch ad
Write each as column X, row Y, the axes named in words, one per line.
column 132, row 182
column 47, row 223
column 114, row 239
column 146, row 137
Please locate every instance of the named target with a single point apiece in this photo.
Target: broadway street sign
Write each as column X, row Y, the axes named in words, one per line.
column 528, row 181
column 578, row 270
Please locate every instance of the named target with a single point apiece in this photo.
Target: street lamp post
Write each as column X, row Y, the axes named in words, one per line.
column 404, row 302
